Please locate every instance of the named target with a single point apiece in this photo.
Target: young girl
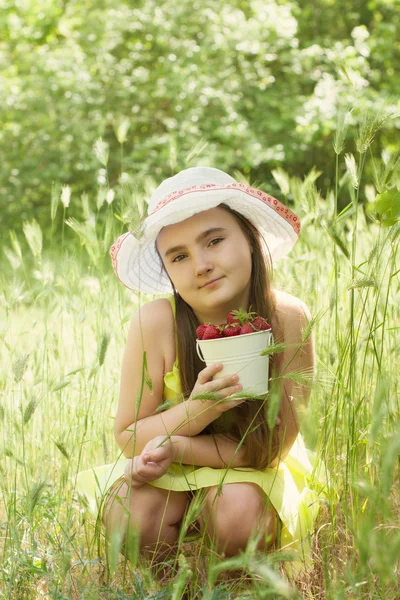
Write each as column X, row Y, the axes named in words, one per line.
column 210, row 243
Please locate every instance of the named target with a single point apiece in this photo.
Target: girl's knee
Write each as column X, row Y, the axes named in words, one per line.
column 236, row 514
column 153, row 512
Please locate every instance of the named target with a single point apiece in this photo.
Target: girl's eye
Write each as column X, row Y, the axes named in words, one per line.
column 180, row 257
column 217, row 240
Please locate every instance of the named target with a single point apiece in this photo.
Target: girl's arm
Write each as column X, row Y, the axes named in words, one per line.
column 215, row 451
column 299, row 357
column 137, row 421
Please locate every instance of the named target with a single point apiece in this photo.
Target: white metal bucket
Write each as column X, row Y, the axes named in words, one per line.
column 240, row 354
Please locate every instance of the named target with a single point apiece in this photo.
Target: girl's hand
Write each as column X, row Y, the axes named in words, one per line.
column 151, row 464
column 222, row 387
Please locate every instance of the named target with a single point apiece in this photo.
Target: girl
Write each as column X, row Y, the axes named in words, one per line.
column 210, row 243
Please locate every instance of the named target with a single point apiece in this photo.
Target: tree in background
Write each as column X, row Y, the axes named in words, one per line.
column 260, row 81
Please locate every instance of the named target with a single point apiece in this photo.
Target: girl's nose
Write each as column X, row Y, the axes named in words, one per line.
column 203, row 265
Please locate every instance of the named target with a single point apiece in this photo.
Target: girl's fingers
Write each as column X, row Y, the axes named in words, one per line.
column 208, row 373
column 155, row 455
column 226, row 385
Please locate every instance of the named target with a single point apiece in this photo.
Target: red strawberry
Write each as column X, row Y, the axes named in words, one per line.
column 231, row 319
column 200, row 331
column 261, row 324
column 211, row 333
column 232, row 329
column 246, row 328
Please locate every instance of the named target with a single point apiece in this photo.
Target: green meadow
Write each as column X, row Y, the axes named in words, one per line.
column 64, row 320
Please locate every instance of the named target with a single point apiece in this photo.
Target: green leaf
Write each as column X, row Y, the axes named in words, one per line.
column 387, row 206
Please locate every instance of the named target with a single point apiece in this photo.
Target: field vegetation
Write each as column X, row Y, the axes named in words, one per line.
column 64, row 320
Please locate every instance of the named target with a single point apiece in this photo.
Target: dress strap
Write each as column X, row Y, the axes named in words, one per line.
column 171, row 300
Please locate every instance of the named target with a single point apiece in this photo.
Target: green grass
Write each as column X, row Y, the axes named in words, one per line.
column 64, row 320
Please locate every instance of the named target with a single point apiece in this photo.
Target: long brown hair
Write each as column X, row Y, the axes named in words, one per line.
column 248, row 420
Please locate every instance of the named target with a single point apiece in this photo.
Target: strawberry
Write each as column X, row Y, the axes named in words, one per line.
column 200, row 331
column 231, row 330
column 231, row 319
column 246, row 328
column 211, row 333
column 260, row 324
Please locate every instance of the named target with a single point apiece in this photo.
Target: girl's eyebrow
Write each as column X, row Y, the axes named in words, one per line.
column 200, row 237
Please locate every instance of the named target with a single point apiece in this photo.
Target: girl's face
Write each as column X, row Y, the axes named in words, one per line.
column 208, row 259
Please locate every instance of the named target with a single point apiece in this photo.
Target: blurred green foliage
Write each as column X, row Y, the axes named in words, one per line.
column 260, row 81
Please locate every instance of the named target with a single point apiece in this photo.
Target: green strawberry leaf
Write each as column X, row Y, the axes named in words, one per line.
column 244, row 316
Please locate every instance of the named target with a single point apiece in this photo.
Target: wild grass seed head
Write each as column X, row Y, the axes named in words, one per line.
column 282, row 179
column 19, row 367
column 121, row 128
column 65, row 195
column 13, row 258
column 352, row 169
column 105, row 340
column 34, row 237
column 371, row 123
column 341, row 129
column 30, row 410
column 101, row 151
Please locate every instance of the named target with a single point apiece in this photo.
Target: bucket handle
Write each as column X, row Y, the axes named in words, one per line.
column 198, row 351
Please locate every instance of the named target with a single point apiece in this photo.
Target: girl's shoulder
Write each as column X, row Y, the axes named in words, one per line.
column 157, row 316
column 289, row 309
column 159, row 321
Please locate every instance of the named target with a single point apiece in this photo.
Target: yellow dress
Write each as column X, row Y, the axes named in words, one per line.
column 295, row 488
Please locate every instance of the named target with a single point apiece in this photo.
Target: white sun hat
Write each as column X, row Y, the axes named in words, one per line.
column 136, row 262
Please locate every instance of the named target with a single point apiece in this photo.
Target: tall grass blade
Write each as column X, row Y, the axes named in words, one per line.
column 334, row 235
column 274, row 404
column 15, row 244
column 197, row 150
column 390, row 457
column 55, row 199
column 273, row 580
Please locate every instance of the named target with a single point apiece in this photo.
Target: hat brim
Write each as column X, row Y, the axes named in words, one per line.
column 137, row 263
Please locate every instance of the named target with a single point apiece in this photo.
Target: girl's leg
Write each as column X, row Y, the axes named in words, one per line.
column 156, row 513
column 233, row 516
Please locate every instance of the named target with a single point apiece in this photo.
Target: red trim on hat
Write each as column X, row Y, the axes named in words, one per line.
column 270, row 201
column 115, row 248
